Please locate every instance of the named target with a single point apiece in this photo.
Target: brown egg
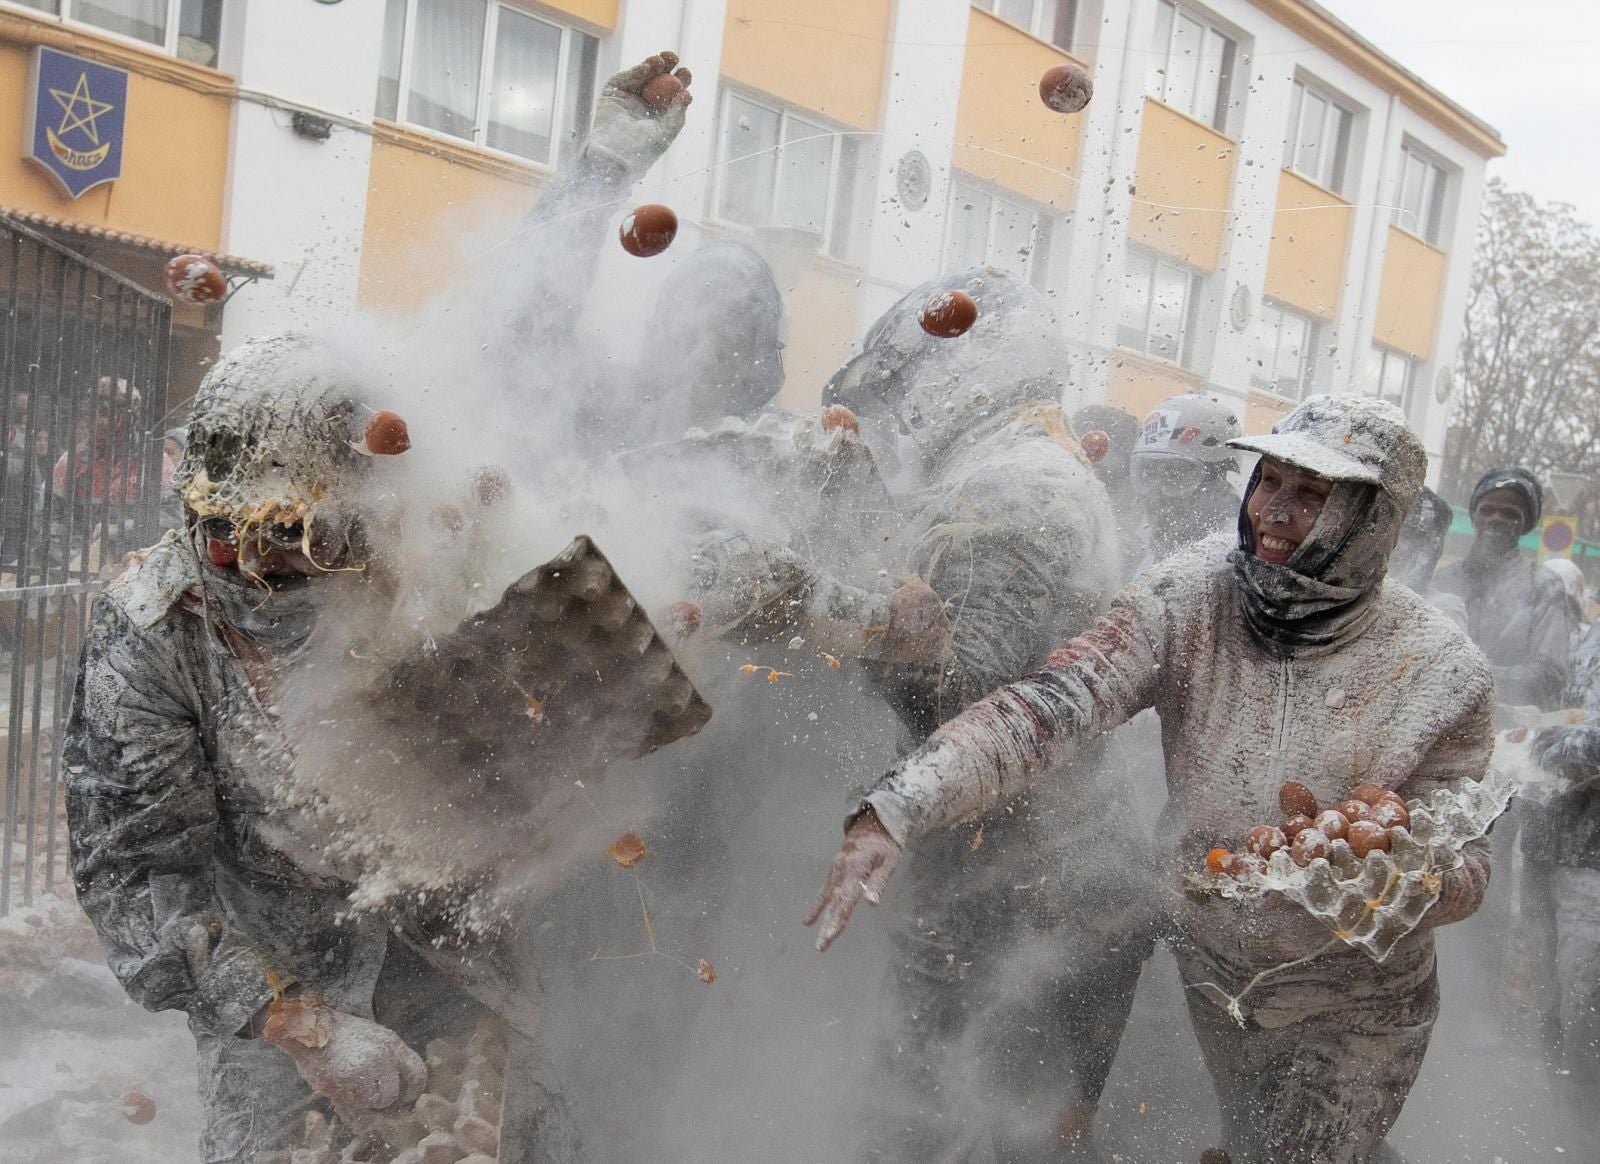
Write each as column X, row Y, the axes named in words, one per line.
column 1387, row 814
column 1365, row 836
column 1354, row 809
column 1216, row 859
column 1265, row 840
column 387, row 435
column 1295, row 798
column 648, row 230
column 1333, row 824
column 195, row 279
column 949, row 314
column 137, row 1107
column 1065, row 88
column 1308, row 846
column 683, row 619
column 1096, row 444
column 1297, row 824
column 659, row 92
column 1369, row 793
column 1243, row 864
column 838, row 416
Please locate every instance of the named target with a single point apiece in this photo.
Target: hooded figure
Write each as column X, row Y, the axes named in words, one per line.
column 1182, row 469
column 1517, row 613
column 1561, row 844
column 205, row 889
column 1277, row 653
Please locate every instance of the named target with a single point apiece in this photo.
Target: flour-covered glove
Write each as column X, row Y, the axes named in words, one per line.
column 635, row 122
column 1573, row 752
column 355, row 1062
column 860, row 869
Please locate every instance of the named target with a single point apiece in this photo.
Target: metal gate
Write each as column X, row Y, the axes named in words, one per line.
column 83, row 389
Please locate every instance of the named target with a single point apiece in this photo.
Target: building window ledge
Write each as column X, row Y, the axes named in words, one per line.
column 459, row 152
column 27, row 28
column 1195, row 121
column 1315, row 185
column 1159, row 364
column 1419, row 240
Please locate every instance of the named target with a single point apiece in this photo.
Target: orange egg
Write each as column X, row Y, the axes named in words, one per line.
column 1295, row 798
column 137, row 1107
column 949, row 314
column 1216, row 859
column 1265, row 840
column 838, row 416
column 649, row 229
column 1365, row 836
column 387, row 435
column 1332, row 823
column 1065, row 88
column 195, row 279
column 1096, row 444
column 1308, row 846
column 660, row 92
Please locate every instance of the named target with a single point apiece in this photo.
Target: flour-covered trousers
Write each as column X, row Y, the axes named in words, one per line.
column 254, row 1101
column 1327, row 1087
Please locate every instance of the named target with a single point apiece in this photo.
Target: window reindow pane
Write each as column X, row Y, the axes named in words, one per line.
column 144, row 20
column 805, row 175
column 522, row 86
column 749, row 163
column 446, row 58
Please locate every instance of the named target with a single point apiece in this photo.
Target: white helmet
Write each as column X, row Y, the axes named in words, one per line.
column 1184, row 440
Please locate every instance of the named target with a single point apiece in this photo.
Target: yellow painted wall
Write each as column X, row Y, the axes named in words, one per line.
column 1181, row 164
column 828, row 56
column 1310, row 240
column 601, row 14
column 822, row 328
column 175, row 144
column 1409, row 294
column 427, row 200
column 1263, row 410
column 1000, row 114
column 1138, row 383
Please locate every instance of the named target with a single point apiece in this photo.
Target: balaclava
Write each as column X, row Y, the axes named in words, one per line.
column 1325, row 594
column 1494, row 542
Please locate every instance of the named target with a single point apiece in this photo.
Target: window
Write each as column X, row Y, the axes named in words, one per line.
column 777, row 168
column 1283, row 346
column 1051, row 20
column 1318, row 143
column 1391, row 376
column 187, row 29
column 1420, row 205
column 987, row 229
column 1159, row 300
column 488, row 73
column 1192, row 65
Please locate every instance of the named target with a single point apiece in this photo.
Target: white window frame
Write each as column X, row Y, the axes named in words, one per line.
column 963, row 185
column 1381, row 357
column 64, row 13
column 1162, row 71
column 1264, row 378
column 1336, row 135
column 1191, row 307
column 1435, row 195
column 480, row 122
column 1041, row 20
column 831, row 212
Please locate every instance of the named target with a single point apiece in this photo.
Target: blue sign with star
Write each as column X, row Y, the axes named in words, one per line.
column 76, row 113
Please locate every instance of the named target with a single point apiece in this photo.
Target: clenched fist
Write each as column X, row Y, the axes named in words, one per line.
column 353, row 1061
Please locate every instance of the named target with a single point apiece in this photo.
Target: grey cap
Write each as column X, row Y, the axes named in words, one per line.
column 1348, row 438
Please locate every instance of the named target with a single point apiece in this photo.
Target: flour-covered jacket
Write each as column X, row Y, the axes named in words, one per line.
column 1406, row 704
column 181, row 856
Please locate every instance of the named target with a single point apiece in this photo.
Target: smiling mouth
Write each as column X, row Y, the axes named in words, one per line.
column 1277, row 547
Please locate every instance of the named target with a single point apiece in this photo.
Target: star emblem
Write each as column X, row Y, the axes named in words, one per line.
column 70, row 117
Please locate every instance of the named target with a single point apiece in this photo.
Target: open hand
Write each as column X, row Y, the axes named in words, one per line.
column 632, row 129
column 860, row 869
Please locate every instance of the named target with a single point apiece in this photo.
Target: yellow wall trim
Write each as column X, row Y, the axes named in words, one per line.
column 1409, row 294
column 1344, row 44
column 21, row 28
column 1262, row 410
column 828, row 56
column 460, row 153
column 599, row 15
column 1004, row 133
column 1186, row 164
column 1138, row 383
column 1306, row 262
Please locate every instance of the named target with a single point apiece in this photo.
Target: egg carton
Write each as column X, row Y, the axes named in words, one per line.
column 564, row 676
column 1372, row 902
column 819, row 485
column 458, row 1119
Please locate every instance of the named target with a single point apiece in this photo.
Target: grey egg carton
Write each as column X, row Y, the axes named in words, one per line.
column 1372, row 902
column 562, row 677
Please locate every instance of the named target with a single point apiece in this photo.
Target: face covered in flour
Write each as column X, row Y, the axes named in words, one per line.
column 1321, row 516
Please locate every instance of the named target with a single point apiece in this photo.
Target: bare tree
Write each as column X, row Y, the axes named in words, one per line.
column 1530, row 355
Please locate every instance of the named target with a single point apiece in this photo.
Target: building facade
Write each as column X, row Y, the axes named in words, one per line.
column 1257, row 202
